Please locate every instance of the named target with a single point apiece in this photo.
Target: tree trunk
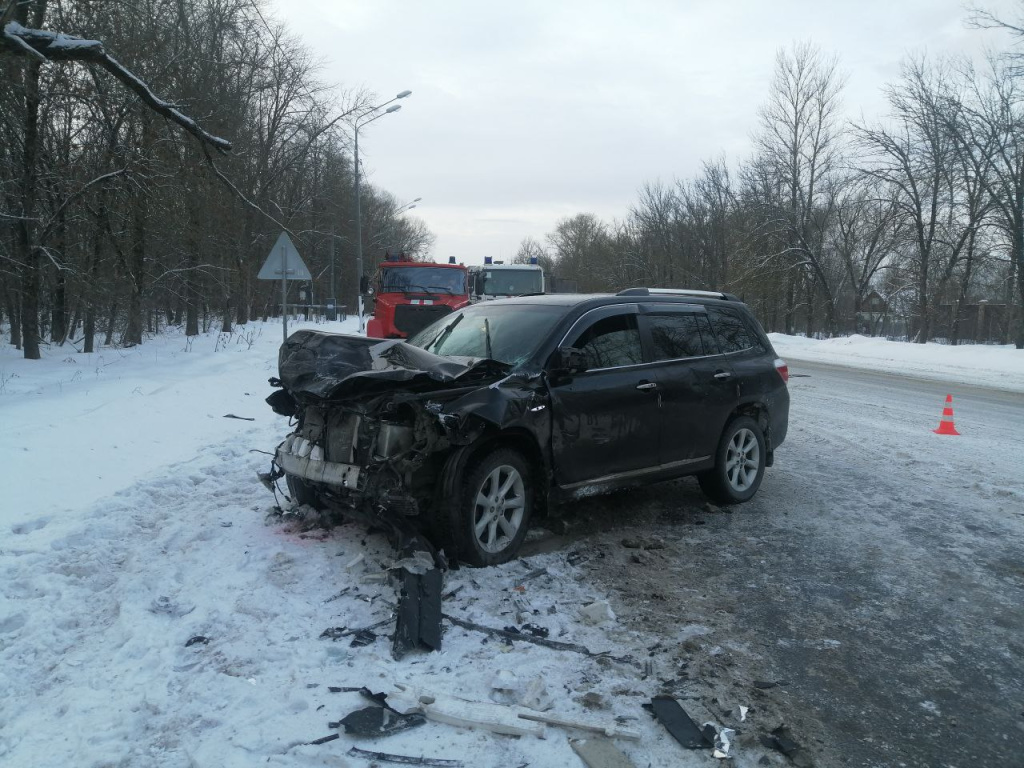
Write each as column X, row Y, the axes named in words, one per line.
column 25, row 229
column 112, row 322
column 89, row 329
column 14, row 312
column 790, row 311
column 58, row 309
column 191, row 265
column 137, row 263
column 810, row 305
column 136, row 271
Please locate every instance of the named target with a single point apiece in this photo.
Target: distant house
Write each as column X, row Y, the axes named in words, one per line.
column 873, row 311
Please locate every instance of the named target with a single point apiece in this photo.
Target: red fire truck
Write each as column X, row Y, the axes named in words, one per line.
column 410, row 295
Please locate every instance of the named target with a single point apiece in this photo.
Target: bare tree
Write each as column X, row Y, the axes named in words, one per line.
column 800, row 144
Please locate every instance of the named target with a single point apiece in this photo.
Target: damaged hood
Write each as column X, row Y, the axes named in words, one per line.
column 331, row 365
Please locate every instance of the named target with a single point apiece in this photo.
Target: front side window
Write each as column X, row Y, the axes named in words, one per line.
column 680, row 335
column 612, row 342
column 732, row 333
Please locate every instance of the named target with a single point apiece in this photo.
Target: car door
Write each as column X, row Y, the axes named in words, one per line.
column 605, row 420
column 698, row 387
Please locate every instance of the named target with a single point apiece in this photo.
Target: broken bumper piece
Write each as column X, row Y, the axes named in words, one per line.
column 298, row 456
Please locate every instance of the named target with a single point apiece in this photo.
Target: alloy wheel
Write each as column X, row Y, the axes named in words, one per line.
column 742, row 460
column 499, row 508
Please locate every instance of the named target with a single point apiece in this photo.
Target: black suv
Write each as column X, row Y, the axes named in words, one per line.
column 500, row 410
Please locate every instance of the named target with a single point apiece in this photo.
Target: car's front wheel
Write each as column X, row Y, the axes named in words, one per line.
column 739, row 463
column 494, row 510
column 302, row 493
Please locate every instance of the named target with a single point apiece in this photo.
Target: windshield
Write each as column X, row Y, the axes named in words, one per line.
column 513, row 282
column 422, row 280
column 508, row 333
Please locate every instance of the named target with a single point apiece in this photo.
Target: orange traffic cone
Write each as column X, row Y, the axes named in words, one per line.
column 946, row 426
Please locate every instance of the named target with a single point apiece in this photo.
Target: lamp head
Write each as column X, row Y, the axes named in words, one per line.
column 395, row 108
column 403, row 94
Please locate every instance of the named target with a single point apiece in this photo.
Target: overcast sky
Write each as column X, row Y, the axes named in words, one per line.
column 530, row 111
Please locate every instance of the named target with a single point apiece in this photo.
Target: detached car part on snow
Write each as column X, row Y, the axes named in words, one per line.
column 528, row 402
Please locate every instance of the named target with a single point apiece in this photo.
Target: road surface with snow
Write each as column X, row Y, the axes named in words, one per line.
column 877, row 574
column 876, row 580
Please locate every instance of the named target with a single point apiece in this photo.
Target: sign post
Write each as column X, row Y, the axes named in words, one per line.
column 284, row 262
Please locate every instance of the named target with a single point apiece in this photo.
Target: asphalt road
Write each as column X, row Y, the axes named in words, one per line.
column 878, row 576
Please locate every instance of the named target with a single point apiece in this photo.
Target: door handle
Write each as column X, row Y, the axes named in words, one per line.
column 646, row 385
column 723, row 375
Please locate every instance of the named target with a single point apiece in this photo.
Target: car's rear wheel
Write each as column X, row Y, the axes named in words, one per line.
column 494, row 509
column 739, row 463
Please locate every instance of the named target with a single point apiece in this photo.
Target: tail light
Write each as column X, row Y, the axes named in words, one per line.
column 782, row 368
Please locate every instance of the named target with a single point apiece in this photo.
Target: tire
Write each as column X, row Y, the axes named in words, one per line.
column 302, row 493
column 739, row 463
column 493, row 511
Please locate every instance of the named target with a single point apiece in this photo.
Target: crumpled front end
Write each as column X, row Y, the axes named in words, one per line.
column 376, row 420
column 357, row 454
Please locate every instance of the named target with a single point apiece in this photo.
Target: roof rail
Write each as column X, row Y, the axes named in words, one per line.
column 677, row 292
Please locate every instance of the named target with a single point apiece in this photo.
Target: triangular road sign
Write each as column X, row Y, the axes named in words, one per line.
column 283, row 253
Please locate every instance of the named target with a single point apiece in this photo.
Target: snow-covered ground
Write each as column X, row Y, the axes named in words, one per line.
column 132, row 524
column 980, row 365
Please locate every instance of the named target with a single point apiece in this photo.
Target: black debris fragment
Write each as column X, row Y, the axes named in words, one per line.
column 764, row 685
column 340, row 594
column 380, row 699
column 362, row 637
column 537, row 572
column 240, row 418
column 384, row 757
column 643, row 543
column 345, row 689
column 325, row 739
column 534, row 629
column 517, row 635
column 575, row 558
column 333, row 633
column 197, row 639
column 418, row 623
column 780, row 740
column 379, row 721
column 671, row 715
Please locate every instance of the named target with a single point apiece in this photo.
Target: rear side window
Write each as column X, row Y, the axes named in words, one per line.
column 731, row 331
column 680, row 335
column 611, row 342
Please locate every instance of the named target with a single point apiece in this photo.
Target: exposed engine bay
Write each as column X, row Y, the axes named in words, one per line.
column 376, row 421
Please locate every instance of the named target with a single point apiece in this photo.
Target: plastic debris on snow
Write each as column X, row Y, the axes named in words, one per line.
column 597, row 612
column 723, row 739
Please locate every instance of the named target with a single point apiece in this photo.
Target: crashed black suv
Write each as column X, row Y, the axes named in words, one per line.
column 501, row 410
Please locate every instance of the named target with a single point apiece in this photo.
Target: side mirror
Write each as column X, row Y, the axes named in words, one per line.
column 570, row 360
column 364, row 284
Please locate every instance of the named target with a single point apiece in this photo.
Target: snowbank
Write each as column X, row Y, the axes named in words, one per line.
column 982, row 365
column 79, row 427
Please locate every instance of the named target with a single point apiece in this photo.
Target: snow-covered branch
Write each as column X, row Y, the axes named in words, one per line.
column 56, row 46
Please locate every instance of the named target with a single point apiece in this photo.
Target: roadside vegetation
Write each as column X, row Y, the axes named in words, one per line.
column 114, row 221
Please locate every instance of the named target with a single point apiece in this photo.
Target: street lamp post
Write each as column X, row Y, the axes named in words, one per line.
column 372, row 114
column 393, row 219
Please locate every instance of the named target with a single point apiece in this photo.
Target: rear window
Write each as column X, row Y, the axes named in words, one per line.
column 680, row 335
column 732, row 332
